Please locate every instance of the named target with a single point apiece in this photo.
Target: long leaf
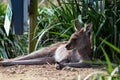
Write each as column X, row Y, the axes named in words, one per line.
column 111, row 45
column 108, row 61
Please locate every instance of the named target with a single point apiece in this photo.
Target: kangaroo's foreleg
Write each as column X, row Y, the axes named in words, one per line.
column 59, row 66
column 74, row 65
column 37, row 61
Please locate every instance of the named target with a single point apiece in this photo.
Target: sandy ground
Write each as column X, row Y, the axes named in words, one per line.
column 43, row 72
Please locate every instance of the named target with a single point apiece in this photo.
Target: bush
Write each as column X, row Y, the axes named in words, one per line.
column 10, row 46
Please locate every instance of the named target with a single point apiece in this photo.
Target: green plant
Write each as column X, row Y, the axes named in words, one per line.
column 114, row 73
column 113, row 70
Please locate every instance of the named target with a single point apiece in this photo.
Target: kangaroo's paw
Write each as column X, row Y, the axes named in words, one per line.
column 59, row 66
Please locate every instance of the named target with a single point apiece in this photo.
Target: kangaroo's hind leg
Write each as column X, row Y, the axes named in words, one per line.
column 37, row 61
column 36, row 54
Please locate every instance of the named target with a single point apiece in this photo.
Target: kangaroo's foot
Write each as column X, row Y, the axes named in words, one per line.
column 5, row 63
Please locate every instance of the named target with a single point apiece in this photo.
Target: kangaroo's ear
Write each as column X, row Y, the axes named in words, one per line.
column 77, row 25
column 88, row 27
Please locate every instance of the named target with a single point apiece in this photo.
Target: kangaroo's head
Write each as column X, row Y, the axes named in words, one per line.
column 80, row 39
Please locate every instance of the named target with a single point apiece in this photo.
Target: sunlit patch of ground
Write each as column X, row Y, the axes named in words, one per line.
column 43, row 72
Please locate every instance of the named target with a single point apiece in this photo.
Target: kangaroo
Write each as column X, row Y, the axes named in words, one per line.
column 73, row 53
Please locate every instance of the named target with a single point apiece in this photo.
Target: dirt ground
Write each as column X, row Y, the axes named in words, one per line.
column 43, row 72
